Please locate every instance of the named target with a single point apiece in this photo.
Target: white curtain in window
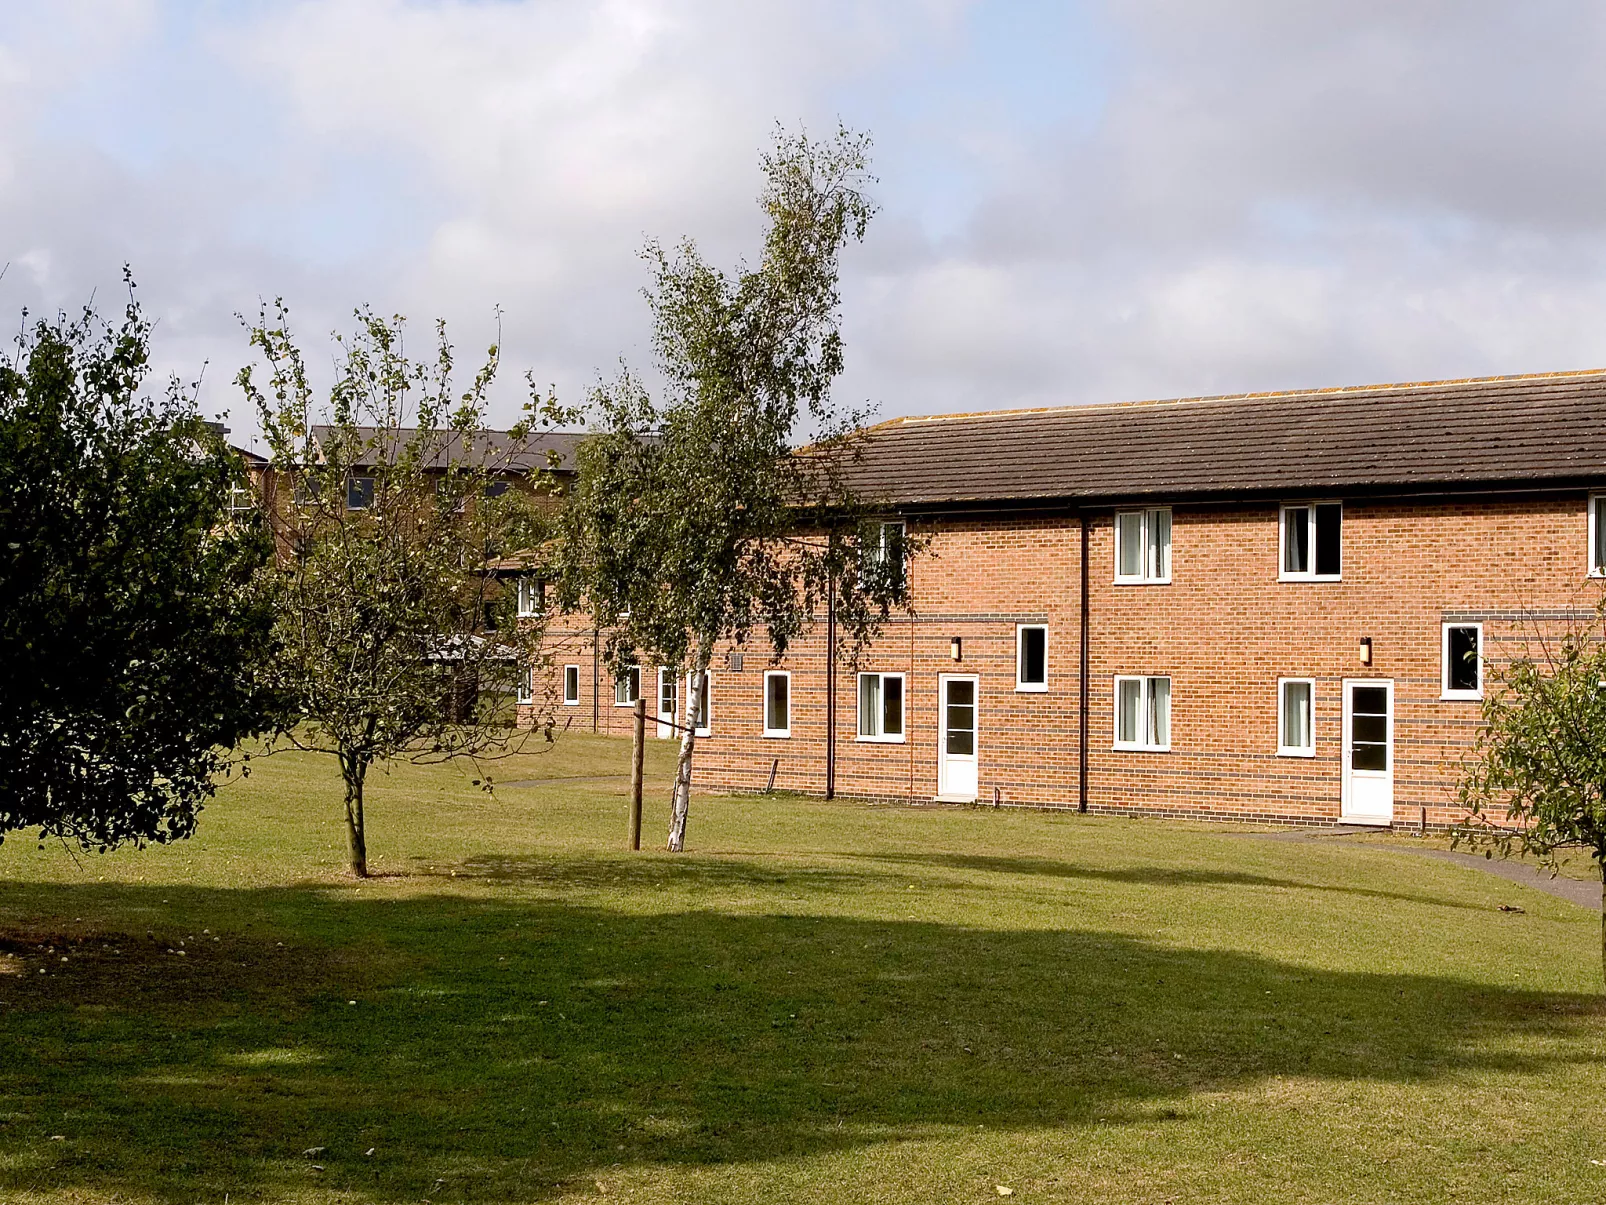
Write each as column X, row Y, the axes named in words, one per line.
column 1159, row 711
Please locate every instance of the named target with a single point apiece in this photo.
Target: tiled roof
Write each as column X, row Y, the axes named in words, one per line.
column 497, row 448
column 1548, row 428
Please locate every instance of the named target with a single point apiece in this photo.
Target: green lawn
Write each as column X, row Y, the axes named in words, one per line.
column 821, row 1002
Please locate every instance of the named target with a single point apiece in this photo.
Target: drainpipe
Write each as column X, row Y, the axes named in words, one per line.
column 830, row 688
column 596, row 678
column 1082, row 692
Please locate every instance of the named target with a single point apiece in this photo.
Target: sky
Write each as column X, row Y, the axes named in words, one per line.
column 1084, row 201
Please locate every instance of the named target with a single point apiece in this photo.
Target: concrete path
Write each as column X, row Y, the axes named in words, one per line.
column 1583, row 892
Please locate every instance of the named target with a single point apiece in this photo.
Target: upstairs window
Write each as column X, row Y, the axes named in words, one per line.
column 1143, row 713
column 627, row 686
column 359, row 493
column 884, row 554
column 1462, row 660
column 571, row 686
column 1597, row 535
column 881, row 707
column 532, row 596
column 1143, row 545
column 777, row 703
column 1296, row 717
column 1031, row 657
column 1312, row 542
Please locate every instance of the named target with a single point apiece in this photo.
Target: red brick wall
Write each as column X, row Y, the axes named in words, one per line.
column 1224, row 630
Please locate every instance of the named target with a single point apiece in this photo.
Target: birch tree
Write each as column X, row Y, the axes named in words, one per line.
column 695, row 519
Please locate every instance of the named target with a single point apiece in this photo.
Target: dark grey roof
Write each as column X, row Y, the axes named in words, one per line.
column 1548, row 428
column 495, row 448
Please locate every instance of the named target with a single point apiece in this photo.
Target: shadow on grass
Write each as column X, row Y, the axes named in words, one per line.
column 1148, row 876
column 498, row 1050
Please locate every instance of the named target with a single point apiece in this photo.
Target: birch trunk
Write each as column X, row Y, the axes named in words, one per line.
column 680, row 801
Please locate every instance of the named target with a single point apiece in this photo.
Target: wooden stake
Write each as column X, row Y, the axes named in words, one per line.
column 638, row 752
column 770, row 785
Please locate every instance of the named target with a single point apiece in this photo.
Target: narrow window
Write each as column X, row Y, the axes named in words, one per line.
column 627, row 686
column 1296, row 719
column 1463, row 660
column 1597, row 535
column 1143, row 713
column 526, row 685
column 777, row 703
column 1312, row 542
column 705, row 706
column 881, row 707
column 359, row 493
column 884, row 555
column 1031, row 657
column 1143, row 545
column 571, row 685
column 532, row 596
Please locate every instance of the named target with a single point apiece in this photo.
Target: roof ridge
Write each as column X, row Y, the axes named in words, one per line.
column 1328, row 391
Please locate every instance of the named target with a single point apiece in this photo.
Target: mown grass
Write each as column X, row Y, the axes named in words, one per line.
column 821, row 1002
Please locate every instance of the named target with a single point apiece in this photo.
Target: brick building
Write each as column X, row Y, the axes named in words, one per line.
column 1270, row 607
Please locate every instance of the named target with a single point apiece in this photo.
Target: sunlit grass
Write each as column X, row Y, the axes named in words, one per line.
column 819, row 1002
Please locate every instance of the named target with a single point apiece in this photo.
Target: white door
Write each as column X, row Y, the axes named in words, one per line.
column 668, row 702
column 956, row 736
column 1369, row 752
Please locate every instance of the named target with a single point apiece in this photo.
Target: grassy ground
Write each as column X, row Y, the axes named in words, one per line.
column 821, row 1002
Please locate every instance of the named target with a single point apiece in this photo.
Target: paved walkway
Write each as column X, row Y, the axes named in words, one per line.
column 1583, row 892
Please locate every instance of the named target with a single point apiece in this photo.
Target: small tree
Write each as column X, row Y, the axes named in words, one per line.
column 693, row 520
column 395, row 525
column 1536, row 781
column 132, row 639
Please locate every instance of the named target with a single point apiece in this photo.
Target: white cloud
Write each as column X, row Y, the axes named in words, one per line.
column 1181, row 198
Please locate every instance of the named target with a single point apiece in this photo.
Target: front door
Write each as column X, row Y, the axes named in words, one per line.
column 668, row 702
column 1368, row 752
column 956, row 753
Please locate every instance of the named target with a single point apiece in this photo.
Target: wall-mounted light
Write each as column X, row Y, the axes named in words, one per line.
column 1366, row 650
column 956, row 648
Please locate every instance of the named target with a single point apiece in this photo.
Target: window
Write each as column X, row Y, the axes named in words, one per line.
column 1296, row 717
column 359, row 493
column 571, row 686
column 532, row 596
column 1031, row 657
column 1597, row 535
column 1461, row 647
column 242, row 501
column 627, row 686
column 495, row 489
column 705, row 708
column 526, row 685
column 777, row 703
column 881, row 707
column 309, row 487
column 884, row 554
column 1312, row 542
column 1143, row 545
column 1143, row 713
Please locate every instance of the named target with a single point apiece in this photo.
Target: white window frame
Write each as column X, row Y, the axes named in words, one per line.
column 1310, row 575
column 777, row 733
column 1282, row 711
column 1596, row 503
column 1143, row 577
column 526, row 685
column 574, row 699
column 531, row 596
column 630, row 673
column 1444, row 663
column 1021, row 684
column 880, row 737
column 1143, row 711
column 704, row 729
